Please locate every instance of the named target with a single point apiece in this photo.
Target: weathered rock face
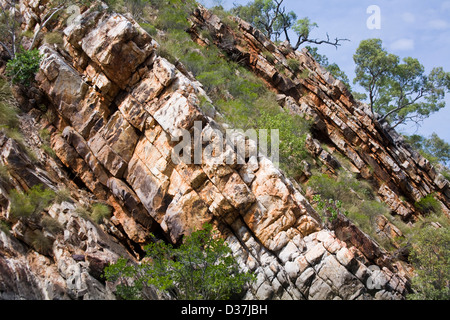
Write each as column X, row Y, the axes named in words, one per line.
column 376, row 151
column 121, row 110
column 71, row 267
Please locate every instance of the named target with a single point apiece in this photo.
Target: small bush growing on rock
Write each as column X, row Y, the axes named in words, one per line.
column 62, row 195
column 55, row 38
column 52, row 225
column 201, row 268
column 95, row 212
column 293, row 64
column 39, row 242
column 24, row 66
column 100, row 211
column 428, row 205
column 292, row 135
column 5, row 226
column 8, row 112
column 30, row 204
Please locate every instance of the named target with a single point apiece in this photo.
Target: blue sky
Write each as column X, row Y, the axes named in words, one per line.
column 409, row 28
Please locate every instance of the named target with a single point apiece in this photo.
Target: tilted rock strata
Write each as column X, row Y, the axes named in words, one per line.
column 119, row 114
column 376, row 152
column 73, row 265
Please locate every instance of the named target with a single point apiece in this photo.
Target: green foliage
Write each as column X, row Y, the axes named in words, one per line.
column 333, row 68
column 329, row 209
column 292, row 131
column 5, row 226
column 24, row 66
column 100, row 211
column 269, row 56
column 201, row 268
column 51, row 225
column 433, row 148
column 96, row 212
column 430, row 256
column 62, row 195
column 399, row 91
column 293, row 64
column 8, row 112
column 428, row 205
column 345, row 187
column 29, row 205
column 149, row 28
column 356, row 197
column 373, row 64
column 130, row 285
column 302, row 28
column 54, row 38
column 39, row 242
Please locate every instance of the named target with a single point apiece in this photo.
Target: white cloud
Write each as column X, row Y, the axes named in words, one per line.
column 445, row 6
column 403, row 44
column 438, row 24
column 408, row 17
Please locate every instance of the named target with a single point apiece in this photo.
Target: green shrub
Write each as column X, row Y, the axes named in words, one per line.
column 4, row 173
column 269, row 56
column 293, row 64
column 24, row 66
column 54, row 38
column 62, row 195
column 172, row 17
column 95, row 212
column 51, row 225
column 149, row 28
column 5, row 226
column 83, row 211
column 357, row 198
column 8, row 111
column 292, row 131
column 345, row 187
column 39, row 242
column 100, row 211
column 428, row 204
column 430, row 256
column 328, row 209
column 30, row 205
column 200, row 268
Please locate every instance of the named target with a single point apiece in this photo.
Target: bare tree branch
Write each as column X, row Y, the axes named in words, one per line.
column 55, row 11
column 401, row 106
column 7, row 49
column 335, row 43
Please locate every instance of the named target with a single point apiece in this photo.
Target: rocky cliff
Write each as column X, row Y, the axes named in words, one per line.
column 376, row 151
column 118, row 110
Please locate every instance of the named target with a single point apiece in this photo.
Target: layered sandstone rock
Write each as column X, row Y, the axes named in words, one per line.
column 121, row 118
column 120, row 111
column 72, row 265
column 375, row 150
